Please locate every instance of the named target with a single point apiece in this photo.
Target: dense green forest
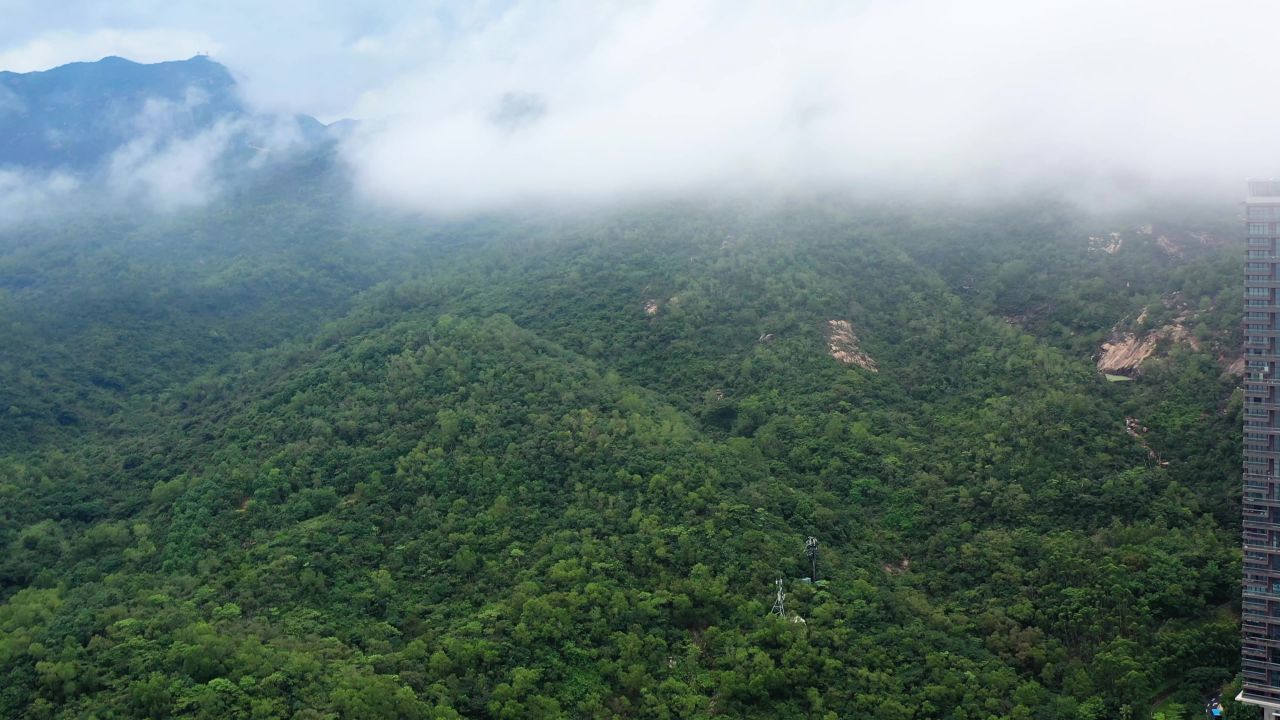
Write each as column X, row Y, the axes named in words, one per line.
column 282, row 457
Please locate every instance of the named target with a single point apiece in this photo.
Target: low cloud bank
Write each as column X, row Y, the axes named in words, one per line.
column 165, row 166
column 26, row 195
column 477, row 107
column 910, row 98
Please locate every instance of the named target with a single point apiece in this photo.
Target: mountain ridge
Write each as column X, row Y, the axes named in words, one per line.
column 76, row 117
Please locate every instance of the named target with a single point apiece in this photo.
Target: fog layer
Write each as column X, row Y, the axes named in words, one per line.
column 469, row 107
column 988, row 98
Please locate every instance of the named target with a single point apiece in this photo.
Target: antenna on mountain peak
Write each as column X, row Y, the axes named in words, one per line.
column 777, row 604
column 811, row 549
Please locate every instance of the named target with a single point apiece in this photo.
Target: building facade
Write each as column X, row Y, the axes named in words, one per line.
column 1260, row 643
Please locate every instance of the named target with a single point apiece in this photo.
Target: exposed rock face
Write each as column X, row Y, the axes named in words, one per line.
column 843, row 345
column 899, row 567
column 1136, row 429
column 1126, row 352
column 1109, row 244
column 651, row 308
column 1174, row 242
column 1236, row 368
column 1167, row 245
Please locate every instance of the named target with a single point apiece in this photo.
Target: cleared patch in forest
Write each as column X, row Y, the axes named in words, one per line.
column 842, row 344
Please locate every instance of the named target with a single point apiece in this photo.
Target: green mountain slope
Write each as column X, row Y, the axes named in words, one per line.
column 553, row 467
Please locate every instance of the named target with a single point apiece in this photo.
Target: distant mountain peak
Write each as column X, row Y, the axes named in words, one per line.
column 74, row 117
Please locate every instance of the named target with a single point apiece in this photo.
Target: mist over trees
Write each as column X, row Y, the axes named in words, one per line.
column 515, row 395
column 273, row 459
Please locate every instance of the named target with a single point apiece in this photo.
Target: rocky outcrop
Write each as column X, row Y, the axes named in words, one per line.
column 1109, row 244
column 842, row 344
column 1236, row 368
column 1125, row 352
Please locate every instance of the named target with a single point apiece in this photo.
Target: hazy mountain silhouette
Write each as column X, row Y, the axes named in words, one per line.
column 74, row 117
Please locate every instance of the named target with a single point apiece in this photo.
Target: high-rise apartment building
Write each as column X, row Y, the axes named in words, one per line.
column 1260, row 644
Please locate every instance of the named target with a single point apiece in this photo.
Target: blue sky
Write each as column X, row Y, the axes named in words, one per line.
column 312, row 56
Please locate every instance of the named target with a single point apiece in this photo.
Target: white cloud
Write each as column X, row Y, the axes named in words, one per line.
column 140, row 45
column 163, row 167
column 170, row 174
column 166, row 170
column 975, row 98
column 673, row 96
column 27, row 195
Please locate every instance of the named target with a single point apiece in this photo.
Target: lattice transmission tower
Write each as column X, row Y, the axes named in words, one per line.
column 778, row 608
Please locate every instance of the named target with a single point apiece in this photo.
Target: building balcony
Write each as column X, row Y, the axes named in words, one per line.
column 1256, row 612
column 1260, row 589
column 1256, row 690
column 1259, row 544
column 1259, row 663
column 1260, row 644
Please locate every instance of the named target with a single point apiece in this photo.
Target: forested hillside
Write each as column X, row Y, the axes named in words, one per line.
column 284, row 457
